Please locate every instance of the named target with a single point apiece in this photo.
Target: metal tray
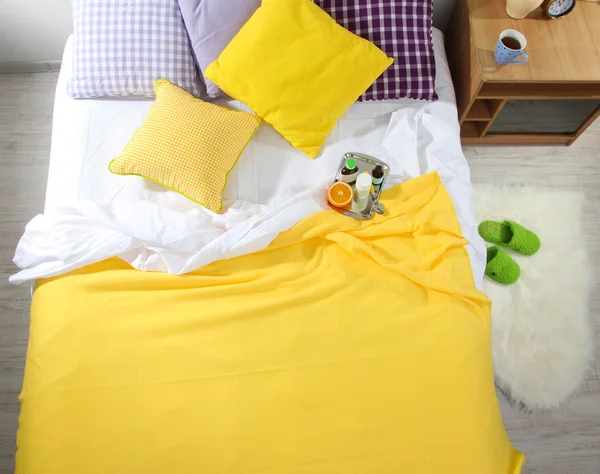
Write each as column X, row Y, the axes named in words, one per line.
column 365, row 163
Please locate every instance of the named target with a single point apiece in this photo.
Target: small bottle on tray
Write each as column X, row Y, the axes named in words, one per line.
column 377, row 178
column 349, row 172
column 363, row 189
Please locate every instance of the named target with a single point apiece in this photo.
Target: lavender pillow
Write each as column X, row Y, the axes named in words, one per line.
column 212, row 24
column 121, row 47
column 402, row 29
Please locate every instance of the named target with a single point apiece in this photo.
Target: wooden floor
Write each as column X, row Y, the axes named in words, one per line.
column 565, row 441
column 561, row 442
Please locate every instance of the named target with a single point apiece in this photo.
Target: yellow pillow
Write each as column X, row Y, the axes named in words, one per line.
column 187, row 145
column 297, row 69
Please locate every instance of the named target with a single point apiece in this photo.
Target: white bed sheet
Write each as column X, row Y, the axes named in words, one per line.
column 91, row 214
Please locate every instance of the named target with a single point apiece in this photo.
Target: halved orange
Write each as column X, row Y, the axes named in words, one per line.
column 340, row 194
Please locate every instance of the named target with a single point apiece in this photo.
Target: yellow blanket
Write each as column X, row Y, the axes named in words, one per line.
column 345, row 347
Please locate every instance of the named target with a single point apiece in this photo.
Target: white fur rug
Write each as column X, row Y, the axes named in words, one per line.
column 541, row 338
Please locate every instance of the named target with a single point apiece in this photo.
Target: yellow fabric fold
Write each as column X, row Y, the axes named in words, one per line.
column 344, row 347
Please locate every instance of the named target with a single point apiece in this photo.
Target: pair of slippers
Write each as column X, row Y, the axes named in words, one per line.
column 500, row 266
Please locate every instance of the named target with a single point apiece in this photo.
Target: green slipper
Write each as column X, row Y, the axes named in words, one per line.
column 500, row 267
column 510, row 234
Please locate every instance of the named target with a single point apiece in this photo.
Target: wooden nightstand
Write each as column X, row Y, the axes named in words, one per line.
column 550, row 100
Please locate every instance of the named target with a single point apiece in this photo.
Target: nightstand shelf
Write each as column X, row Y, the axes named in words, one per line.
column 550, row 100
column 480, row 110
column 470, row 130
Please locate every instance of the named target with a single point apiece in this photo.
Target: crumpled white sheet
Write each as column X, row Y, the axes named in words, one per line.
column 155, row 230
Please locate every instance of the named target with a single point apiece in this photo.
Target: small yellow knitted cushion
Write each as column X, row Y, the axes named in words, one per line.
column 187, row 145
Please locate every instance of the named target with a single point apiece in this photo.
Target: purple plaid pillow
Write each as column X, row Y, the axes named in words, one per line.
column 121, row 47
column 402, row 29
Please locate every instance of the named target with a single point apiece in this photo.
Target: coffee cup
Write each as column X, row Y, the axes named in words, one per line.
column 509, row 47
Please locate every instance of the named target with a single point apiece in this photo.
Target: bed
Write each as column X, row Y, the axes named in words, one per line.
column 414, row 137
column 277, row 337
